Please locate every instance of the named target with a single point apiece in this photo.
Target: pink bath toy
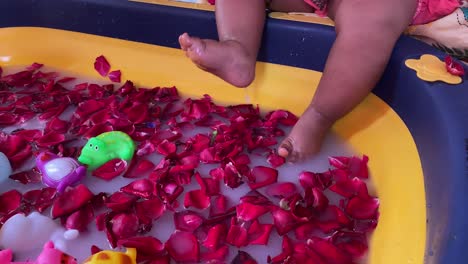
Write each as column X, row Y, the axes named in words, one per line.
column 49, row 255
column 59, row 172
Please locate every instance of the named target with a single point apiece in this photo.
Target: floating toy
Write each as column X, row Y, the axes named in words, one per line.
column 59, row 172
column 5, row 167
column 49, row 255
column 17, row 230
column 105, row 147
column 113, row 257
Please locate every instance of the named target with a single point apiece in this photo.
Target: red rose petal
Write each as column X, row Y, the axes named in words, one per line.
column 284, row 221
column 217, row 256
column 166, row 148
column 281, row 190
column 80, row 220
column 102, row 66
column 216, row 237
column 354, row 244
column 247, row 211
column 120, row 201
column 332, row 218
column 115, row 76
column 137, row 113
column 309, row 179
column 197, row 199
column 57, row 125
column 10, row 201
column 143, row 188
column 187, row 221
column 28, row 134
column 275, row 160
column 124, row 225
column 71, row 200
column 283, row 117
column 139, row 168
column 7, row 119
column 328, row 251
column 40, row 199
column 218, row 205
column 26, row 177
column 208, row 185
column 183, row 247
column 242, row 257
column 350, row 187
column 50, row 139
column 263, row 176
column 259, row 234
column 152, row 208
column 237, row 236
column 362, row 208
column 95, row 249
column 148, row 247
column 454, row 67
column 110, row 169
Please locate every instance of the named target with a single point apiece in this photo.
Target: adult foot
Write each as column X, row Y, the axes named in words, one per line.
column 228, row 60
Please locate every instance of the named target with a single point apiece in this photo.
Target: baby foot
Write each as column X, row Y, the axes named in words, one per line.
column 226, row 59
column 306, row 137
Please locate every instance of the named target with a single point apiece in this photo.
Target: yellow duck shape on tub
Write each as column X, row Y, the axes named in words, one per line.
column 113, row 257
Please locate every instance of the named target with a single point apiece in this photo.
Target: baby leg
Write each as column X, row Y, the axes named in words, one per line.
column 367, row 31
column 232, row 58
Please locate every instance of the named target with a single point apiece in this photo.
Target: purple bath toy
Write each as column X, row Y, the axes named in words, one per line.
column 59, row 172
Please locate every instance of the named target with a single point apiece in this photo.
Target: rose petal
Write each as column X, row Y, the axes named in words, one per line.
column 217, row 256
column 275, row 160
column 362, row 208
column 40, row 199
column 197, row 199
column 263, row 176
column 115, row 76
column 454, row 67
column 139, row 168
column 187, row 221
column 143, row 188
column 166, row 148
column 71, row 200
column 152, row 208
column 218, row 205
column 309, row 179
column 328, row 251
column 237, row 236
column 120, row 201
column 102, row 66
column 50, row 139
column 281, row 190
column 124, row 225
column 208, row 185
column 110, row 169
column 26, row 177
column 247, row 211
column 148, row 247
column 259, row 234
column 284, row 221
column 10, row 201
column 80, row 220
column 216, row 237
column 183, row 247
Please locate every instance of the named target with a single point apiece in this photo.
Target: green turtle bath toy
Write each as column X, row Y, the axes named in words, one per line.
column 105, row 147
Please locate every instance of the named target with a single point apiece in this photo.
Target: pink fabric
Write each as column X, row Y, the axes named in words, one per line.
column 427, row 10
column 431, row 10
column 320, row 6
